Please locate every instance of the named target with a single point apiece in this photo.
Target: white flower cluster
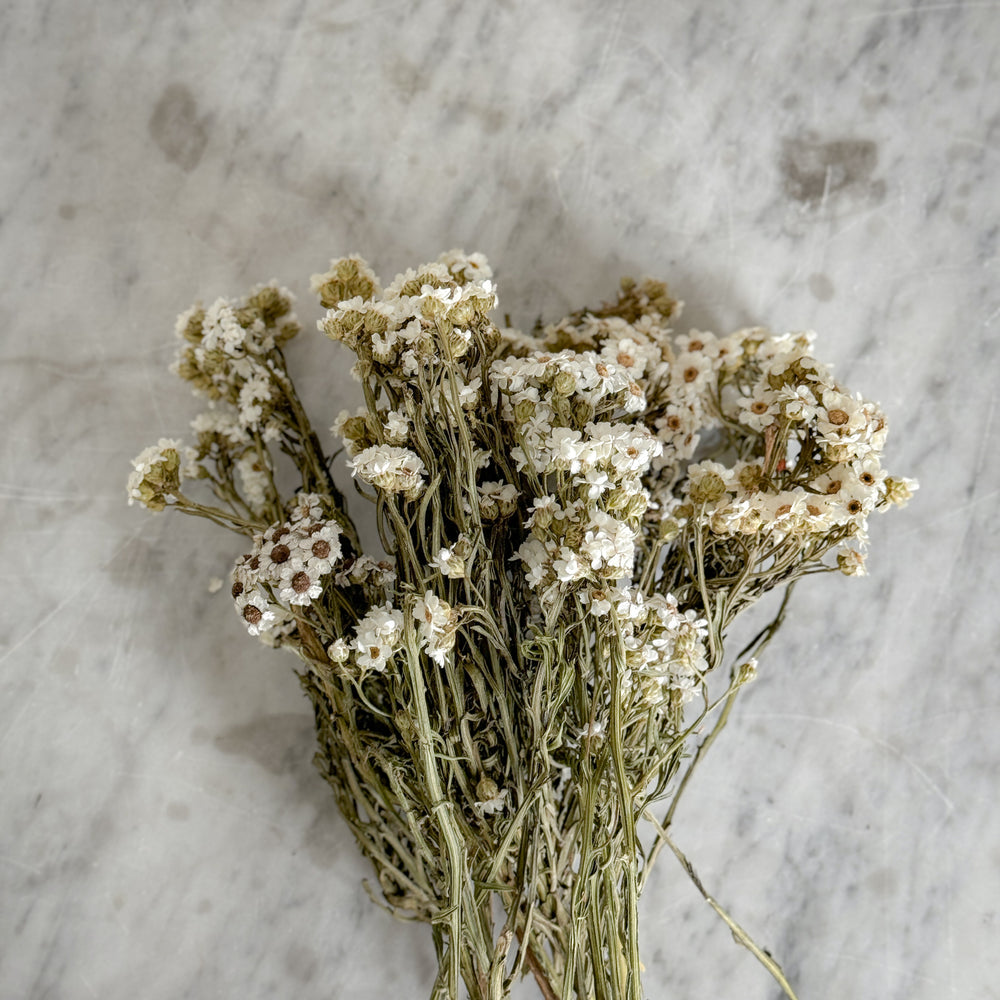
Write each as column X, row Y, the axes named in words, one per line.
column 224, row 347
column 821, row 464
column 287, row 565
column 817, row 449
column 227, row 354
column 576, row 542
column 663, row 645
column 586, row 528
column 436, row 623
column 156, row 474
column 450, row 560
column 377, row 638
column 678, row 375
column 390, row 468
column 424, row 316
column 381, row 633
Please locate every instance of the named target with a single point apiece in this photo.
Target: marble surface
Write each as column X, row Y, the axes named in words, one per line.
column 806, row 165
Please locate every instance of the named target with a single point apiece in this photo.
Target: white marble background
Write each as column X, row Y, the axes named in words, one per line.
column 832, row 166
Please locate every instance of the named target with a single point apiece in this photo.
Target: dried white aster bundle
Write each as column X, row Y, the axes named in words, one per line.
column 573, row 520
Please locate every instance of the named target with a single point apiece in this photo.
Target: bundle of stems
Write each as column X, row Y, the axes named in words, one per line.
column 511, row 697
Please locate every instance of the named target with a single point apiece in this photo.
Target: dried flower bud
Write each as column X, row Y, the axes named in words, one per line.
column 851, row 562
column 708, row 489
column 636, row 505
column 582, row 411
column 747, row 672
column 564, row 383
column 524, row 410
column 347, row 278
column 669, row 528
column 900, row 491
column 156, row 475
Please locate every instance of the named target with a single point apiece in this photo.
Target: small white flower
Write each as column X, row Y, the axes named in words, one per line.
column 490, row 798
column 298, row 585
column 593, row 730
column 255, row 391
column 306, row 507
column 378, row 636
column 320, row 547
column 397, row 427
column 397, row 470
column 254, row 479
column 449, row 564
column 255, row 610
column 338, row 651
column 691, row 373
column 568, row 566
column 598, row 600
column 759, row 410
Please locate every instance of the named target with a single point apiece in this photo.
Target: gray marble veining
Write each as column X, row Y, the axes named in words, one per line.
column 800, row 165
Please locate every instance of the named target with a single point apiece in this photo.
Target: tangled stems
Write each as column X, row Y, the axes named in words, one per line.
column 572, row 521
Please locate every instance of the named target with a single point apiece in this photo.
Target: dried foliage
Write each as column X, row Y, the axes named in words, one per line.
column 571, row 522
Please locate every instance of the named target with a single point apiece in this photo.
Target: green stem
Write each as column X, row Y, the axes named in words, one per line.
column 626, row 804
column 441, row 809
column 739, row 933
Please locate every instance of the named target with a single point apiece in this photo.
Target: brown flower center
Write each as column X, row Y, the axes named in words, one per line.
column 838, row 417
column 696, row 345
column 321, row 549
column 280, row 553
column 758, row 407
column 834, row 486
column 690, row 374
column 854, row 507
column 301, row 582
column 252, row 614
column 601, row 369
column 237, row 589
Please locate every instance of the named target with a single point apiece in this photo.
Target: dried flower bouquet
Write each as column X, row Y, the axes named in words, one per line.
column 511, row 698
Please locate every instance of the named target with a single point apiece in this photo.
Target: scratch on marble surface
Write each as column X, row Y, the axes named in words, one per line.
column 554, row 173
column 871, row 738
column 612, row 41
column 992, row 316
column 14, row 492
column 925, row 9
column 5, row 859
column 882, row 963
column 67, row 599
column 987, row 429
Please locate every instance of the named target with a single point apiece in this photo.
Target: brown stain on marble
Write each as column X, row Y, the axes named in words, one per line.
column 301, row 962
column 179, row 811
column 176, row 128
column 813, row 170
column 821, row 287
column 272, row 741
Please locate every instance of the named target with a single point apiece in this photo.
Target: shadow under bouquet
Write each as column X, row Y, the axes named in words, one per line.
column 512, row 695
